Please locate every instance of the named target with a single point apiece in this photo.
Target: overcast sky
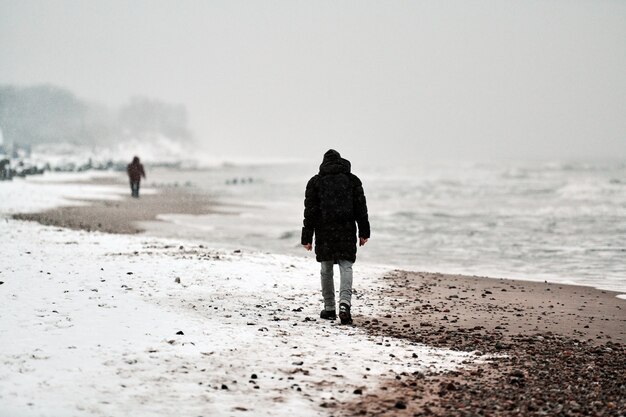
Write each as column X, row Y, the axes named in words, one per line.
column 388, row 79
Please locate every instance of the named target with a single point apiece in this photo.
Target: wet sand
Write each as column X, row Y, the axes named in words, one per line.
column 423, row 303
column 125, row 215
column 559, row 349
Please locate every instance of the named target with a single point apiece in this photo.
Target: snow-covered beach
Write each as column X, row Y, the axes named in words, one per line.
column 171, row 173
column 95, row 323
column 101, row 324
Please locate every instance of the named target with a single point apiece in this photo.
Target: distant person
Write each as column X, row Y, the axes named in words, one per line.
column 5, row 169
column 135, row 172
column 333, row 206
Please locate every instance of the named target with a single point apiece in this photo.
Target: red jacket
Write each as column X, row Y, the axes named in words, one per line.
column 135, row 171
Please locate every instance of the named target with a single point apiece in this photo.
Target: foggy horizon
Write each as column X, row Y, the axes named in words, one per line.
column 379, row 82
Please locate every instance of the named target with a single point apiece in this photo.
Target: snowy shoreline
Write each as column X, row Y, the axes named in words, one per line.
column 90, row 323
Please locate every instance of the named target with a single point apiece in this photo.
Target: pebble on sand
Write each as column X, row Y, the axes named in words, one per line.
column 401, row 405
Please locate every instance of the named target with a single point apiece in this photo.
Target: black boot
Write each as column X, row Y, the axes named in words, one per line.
column 344, row 314
column 328, row 315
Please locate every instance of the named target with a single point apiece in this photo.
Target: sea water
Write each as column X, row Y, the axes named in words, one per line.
column 563, row 222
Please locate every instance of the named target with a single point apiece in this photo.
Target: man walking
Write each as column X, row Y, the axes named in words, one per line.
column 135, row 172
column 333, row 206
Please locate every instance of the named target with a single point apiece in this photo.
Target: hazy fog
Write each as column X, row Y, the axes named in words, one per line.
column 386, row 79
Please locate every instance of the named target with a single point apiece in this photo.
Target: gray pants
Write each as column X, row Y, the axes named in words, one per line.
column 328, row 284
column 134, row 189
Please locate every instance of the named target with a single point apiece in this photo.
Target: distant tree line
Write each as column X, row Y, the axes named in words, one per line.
column 49, row 114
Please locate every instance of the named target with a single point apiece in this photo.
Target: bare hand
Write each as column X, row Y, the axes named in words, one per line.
column 308, row 246
column 362, row 241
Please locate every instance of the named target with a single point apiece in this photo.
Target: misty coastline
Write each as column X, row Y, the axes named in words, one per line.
column 433, row 220
column 483, row 143
column 209, row 313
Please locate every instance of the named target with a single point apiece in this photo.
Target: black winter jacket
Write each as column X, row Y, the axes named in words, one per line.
column 334, row 204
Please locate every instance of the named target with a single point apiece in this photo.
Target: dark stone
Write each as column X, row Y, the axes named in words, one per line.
column 180, row 332
column 401, row 405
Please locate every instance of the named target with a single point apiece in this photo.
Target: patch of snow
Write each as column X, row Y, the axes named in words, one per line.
column 37, row 193
column 51, row 176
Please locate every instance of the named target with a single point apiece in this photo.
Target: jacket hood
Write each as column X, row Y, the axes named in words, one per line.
column 333, row 163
